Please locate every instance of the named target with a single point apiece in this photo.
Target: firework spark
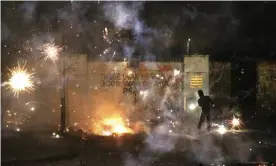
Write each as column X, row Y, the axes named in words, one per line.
column 236, row 123
column 106, row 31
column 176, row 72
column 51, row 51
column 20, row 79
column 221, row 129
column 105, row 35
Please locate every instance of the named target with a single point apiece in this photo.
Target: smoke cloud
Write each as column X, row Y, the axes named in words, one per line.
column 5, row 32
column 164, row 137
column 28, row 9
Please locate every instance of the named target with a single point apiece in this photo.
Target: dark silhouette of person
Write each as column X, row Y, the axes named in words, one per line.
column 205, row 103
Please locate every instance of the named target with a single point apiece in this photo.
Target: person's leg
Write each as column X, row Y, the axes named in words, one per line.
column 208, row 117
column 201, row 120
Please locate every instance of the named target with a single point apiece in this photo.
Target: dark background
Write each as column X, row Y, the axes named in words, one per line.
column 208, row 24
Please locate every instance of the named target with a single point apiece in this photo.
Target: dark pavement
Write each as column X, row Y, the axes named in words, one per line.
column 40, row 149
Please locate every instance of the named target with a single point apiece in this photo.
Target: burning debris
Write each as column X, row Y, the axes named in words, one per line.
column 113, row 126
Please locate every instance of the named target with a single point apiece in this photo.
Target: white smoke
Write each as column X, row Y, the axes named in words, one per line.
column 124, row 16
column 5, row 32
column 28, row 9
column 166, row 134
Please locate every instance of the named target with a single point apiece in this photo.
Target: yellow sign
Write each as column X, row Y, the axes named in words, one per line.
column 196, row 81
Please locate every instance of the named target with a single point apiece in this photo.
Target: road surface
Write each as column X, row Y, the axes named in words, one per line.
column 154, row 150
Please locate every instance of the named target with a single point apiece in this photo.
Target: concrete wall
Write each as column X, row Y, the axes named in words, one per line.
column 76, row 88
column 94, row 89
column 107, row 88
column 196, row 76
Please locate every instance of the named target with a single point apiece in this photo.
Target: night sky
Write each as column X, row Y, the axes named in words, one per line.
column 239, row 32
column 221, row 29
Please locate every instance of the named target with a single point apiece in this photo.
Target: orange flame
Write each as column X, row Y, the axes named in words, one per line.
column 113, row 126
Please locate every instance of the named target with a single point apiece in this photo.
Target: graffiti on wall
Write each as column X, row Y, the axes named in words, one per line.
column 163, row 71
column 129, row 83
column 118, row 80
column 141, row 76
column 110, row 80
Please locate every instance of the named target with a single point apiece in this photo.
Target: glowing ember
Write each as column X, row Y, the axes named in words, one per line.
column 130, row 72
column 113, row 126
column 107, row 133
column 20, row 79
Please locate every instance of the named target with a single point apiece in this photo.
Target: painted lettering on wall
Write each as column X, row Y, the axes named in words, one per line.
column 129, row 83
column 141, row 77
column 110, row 80
column 117, row 79
column 160, row 68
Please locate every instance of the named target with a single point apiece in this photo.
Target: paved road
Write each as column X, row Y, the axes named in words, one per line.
column 173, row 150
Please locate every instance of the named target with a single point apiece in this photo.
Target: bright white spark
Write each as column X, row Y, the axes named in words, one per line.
column 221, row 129
column 20, row 79
column 192, row 106
column 235, row 122
column 51, row 51
column 176, row 72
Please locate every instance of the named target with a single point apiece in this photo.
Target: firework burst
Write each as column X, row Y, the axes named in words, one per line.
column 51, row 51
column 20, row 79
column 235, row 123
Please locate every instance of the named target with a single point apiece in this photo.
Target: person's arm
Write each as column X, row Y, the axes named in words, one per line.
column 199, row 103
column 211, row 101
